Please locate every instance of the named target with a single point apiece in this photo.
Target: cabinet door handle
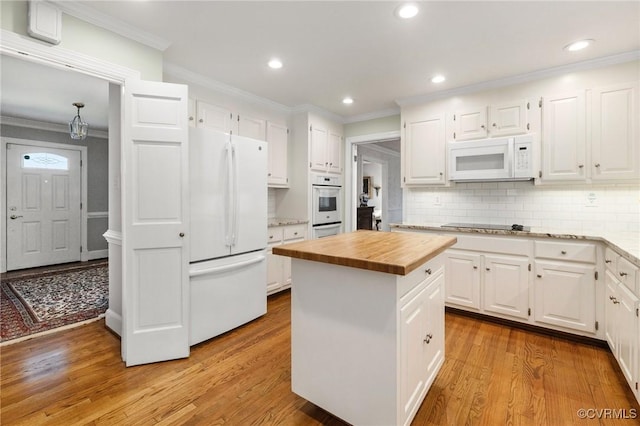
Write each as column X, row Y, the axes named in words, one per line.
column 482, row 126
column 580, row 166
column 475, row 267
column 607, row 261
column 563, row 252
column 539, row 276
column 181, row 234
column 428, row 338
column 494, row 125
column 623, row 274
column 616, row 301
column 597, row 164
column 428, row 271
column 611, row 298
column 488, row 269
column 201, row 120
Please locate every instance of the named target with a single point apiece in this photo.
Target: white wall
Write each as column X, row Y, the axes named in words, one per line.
column 579, row 208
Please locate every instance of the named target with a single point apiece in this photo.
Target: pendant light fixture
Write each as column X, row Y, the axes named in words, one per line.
column 78, row 129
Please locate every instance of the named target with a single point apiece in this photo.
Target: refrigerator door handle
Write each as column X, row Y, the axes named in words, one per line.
column 234, row 223
column 225, row 268
column 228, row 199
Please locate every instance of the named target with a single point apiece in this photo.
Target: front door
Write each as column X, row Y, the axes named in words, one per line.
column 43, row 206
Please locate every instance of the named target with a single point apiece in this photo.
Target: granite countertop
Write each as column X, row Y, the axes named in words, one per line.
column 279, row 221
column 627, row 244
column 390, row 252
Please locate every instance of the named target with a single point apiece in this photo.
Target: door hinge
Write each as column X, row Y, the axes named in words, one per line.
column 80, row 249
column 528, row 127
column 597, row 325
column 637, row 312
column 529, row 311
column 238, row 118
column 355, row 158
column 80, row 163
column 454, row 135
column 80, row 206
column 310, row 165
column 404, row 126
column 528, row 106
column 529, row 267
column 540, row 103
column 311, row 127
column 230, row 116
column 404, row 178
column 540, row 174
column 636, row 385
column 596, row 275
column 454, row 117
column 287, row 131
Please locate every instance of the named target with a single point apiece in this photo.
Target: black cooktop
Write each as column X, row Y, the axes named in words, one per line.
column 514, row 227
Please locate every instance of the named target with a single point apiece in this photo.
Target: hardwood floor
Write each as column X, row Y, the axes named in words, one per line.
column 493, row 375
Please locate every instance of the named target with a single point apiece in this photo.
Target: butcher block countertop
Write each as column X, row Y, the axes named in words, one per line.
column 390, row 252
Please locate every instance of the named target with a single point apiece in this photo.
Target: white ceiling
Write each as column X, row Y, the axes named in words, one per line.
column 333, row 49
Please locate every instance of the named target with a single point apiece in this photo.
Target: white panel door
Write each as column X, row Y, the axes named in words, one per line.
column 506, row 285
column 213, row 117
column 615, row 132
column 424, row 151
column 565, row 295
column 318, row 151
column 463, row 279
column 508, row 119
column 43, row 206
column 249, row 202
column 277, row 137
column 627, row 321
column 155, row 217
column 471, row 124
column 334, row 153
column 250, row 127
column 564, row 137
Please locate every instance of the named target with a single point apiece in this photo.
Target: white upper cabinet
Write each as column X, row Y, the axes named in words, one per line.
column 564, row 137
column 504, row 119
column 424, row 151
column 325, row 150
column 251, row 127
column 213, row 117
column 509, row 118
column 277, row 139
column 614, row 132
column 594, row 140
column 470, row 124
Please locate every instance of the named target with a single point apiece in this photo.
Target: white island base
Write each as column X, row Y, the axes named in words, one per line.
column 366, row 345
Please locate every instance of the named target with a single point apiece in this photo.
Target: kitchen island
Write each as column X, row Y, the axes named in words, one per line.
column 367, row 322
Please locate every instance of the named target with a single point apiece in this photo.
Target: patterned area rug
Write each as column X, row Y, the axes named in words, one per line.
column 34, row 304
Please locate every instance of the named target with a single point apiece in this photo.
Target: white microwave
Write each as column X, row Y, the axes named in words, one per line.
column 509, row 158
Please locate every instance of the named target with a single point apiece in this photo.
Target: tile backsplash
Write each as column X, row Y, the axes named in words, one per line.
column 611, row 208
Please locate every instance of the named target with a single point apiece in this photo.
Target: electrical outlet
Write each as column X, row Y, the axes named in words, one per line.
column 436, row 201
column 591, row 199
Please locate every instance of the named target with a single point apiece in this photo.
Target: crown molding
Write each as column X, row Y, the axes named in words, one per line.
column 633, row 55
column 371, row 115
column 43, row 125
column 208, row 83
column 99, row 19
column 310, row 108
column 30, row 49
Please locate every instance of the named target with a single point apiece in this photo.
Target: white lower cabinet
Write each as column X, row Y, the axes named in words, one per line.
column 506, row 285
column 622, row 329
column 463, row 279
column 421, row 340
column 565, row 285
column 279, row 267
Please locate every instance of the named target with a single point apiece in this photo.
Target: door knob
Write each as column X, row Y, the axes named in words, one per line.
column 13, row 216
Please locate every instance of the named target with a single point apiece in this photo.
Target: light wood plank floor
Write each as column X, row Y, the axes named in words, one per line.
column 493, row 375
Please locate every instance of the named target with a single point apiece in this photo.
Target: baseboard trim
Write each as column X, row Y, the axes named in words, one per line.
column 532, row 328
column 113, row 321
column 95, row 254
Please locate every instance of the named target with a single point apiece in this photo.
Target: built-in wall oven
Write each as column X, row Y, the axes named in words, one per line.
column 326, row 203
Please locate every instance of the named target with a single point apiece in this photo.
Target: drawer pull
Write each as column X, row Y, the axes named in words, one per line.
column 607, row 261
column 271, row 237
column 488, row 269
column 475, row 267
column 295, row 233
column 428, row 271
column 539, row 276
column 623, row 274
column 563, row 252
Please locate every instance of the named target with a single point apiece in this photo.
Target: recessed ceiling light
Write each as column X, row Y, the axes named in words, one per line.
column 578, row 45
column 275, row 64
column 438, row 79
column 408, row 10
column 347, row 101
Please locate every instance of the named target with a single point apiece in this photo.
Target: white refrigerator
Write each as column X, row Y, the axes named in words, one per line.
column 228, row 193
